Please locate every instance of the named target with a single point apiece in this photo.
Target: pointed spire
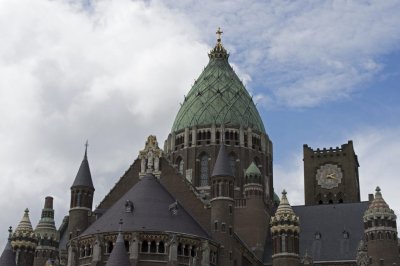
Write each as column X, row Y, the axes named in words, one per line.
column 25, row 225
column 222, row 166
column 84, row 177
column 378, row 201
column 7, row 258
column 119, row 256
column 284, row 207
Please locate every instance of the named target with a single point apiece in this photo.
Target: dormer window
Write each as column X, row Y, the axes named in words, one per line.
column 173, row 208
column 317, row 236
column 129, row 206
column 346, row 235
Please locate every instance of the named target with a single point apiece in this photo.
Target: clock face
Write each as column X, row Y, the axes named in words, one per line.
column 329, row 176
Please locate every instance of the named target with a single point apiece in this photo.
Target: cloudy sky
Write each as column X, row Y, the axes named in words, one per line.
column 115, row 71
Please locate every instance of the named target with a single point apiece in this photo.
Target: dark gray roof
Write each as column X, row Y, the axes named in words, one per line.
column 222, row 166
column 331, row 221
column 83, row 178
column 7, row 257
column 119, row 256
column 154, row 209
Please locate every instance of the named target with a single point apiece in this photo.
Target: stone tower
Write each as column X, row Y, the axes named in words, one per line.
column 381, row 233
column 251, row 219
column 7, row 258
column 47, row 236
column 217, row 107
column 331, row 175
column 285, row 235
column 222, row 206
column 24, row 241
column 81, row 199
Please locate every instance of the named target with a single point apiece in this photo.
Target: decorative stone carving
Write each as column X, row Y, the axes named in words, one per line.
column 362, row 255
column 150, row 158
column 97, row 250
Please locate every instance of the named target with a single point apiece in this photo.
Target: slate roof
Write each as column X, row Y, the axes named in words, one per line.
column 119, row 256
column 154, row 209
column 331, row 221
column 222, row 166
column 218, row 96
column 84, row 177
column 7, row 257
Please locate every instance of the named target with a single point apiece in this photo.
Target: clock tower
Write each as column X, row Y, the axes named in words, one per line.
column 331, row 175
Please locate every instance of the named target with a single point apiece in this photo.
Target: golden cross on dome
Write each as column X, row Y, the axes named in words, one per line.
column 219, row 33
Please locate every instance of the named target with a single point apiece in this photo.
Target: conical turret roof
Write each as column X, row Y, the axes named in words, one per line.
column 218, row 97
column 379, row 207
column 284, row 218
column 119, row 256
column 7, row 258
column 84, row 177
column 284, row 208
column 25, row 225
column 253, row 170
column 222, row 166
column 23, row 234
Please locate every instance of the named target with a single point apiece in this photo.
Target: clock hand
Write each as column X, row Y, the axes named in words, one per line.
column 331, row 176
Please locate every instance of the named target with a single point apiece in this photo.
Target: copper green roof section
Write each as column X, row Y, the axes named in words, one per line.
column 218, row 97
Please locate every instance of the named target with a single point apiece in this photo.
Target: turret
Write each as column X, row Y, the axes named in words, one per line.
column 47, row 236
column 285, row 231
column 222, row 206
column 24, row 242
column 7, row 258
column 81, row 199
column 380, row 232
column 251, row 219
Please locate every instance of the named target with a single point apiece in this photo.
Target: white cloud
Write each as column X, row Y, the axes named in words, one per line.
column 304, row 53
column 113, row 74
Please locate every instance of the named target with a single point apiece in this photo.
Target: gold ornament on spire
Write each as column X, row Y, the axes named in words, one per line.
column 219, row 34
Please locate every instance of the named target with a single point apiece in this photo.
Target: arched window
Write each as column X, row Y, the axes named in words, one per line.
column 204, row 170
column 126, row 242
column 109, row 247
column 232, row 163
column 153, row 247
column 180, row 252
column 144, row 246
column 161, row 247
column 82, row 253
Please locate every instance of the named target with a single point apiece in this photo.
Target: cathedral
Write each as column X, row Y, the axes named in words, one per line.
column 205, row 197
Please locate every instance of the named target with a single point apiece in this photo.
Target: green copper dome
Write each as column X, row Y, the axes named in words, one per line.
column 218, row 97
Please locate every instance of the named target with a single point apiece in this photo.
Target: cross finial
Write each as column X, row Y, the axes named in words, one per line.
column 219, row 33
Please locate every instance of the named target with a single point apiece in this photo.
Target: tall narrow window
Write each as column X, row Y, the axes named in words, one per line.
column 232, row 164
column 204, row 170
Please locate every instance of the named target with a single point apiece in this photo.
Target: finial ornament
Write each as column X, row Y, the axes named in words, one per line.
column 219, row 33
column 378, row 189
column 9, row 232
column 284, row 192
column 121, row 222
